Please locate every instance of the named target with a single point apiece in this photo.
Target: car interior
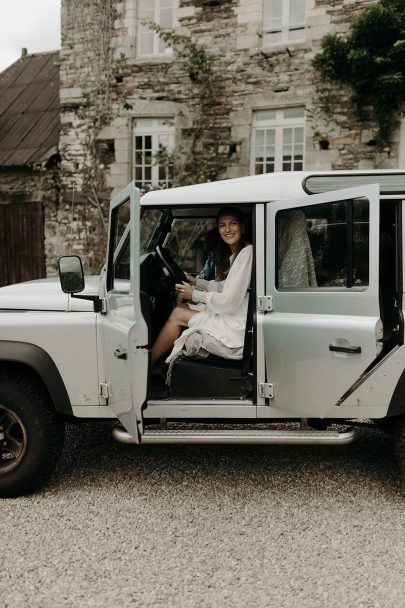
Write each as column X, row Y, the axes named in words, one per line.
column 172, row 243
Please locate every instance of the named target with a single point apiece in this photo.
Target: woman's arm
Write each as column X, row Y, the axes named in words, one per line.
column 210, row 285
column 234, row 287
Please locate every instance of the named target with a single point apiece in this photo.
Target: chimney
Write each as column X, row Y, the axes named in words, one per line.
column 24, row 52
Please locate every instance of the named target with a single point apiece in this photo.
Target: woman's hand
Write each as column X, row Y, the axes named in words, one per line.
column 191, row 278
column 185, row 290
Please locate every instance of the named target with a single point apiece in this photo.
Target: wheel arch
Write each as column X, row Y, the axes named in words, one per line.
column 33, row 357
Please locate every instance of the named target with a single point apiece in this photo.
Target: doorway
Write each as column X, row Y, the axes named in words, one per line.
column 22, row 251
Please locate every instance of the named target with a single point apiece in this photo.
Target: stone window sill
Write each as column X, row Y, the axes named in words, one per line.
column 151, row 59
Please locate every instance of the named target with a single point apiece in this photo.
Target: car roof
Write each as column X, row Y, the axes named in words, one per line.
column 270, row 186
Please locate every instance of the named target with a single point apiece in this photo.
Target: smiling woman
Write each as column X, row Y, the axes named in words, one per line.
column 224, row 300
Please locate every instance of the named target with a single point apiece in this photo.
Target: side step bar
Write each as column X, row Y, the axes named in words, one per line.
column 239, row 436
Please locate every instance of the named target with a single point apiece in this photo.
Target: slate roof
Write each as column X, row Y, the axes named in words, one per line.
column 29, row 110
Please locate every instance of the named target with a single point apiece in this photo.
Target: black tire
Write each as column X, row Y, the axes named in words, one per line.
column 31, row 435
column 399, row 446
column 386, row 425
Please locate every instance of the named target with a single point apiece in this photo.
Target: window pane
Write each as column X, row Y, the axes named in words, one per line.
column 149, row 229
column 146, row 9
column 157, row 134
column 187, row 244
column 144, row 123
column 322, row 238
column 146, row 43
column 260, row 133
column 296, row 34
column 311, row 245
column 299, row 135
column 264, row 115
column 281, row 142
column 287, row 136
column 297, row 12
column 274, row 37
column 294, row 113
column 274, row 9
column 166, row 19
column 361, row 237
column 271, row 137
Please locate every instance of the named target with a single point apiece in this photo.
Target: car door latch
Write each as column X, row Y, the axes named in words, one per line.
column 104, row 390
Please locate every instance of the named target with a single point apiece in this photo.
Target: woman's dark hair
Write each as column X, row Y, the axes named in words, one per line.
column 223, row 250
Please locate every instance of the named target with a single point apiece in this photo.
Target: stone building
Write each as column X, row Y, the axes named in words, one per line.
column 29, row 161
column 247, row 105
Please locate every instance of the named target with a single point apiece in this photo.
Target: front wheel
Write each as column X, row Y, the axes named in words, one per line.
column 31, row 434
column 399, row 446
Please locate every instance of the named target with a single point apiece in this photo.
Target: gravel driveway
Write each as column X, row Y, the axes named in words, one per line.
column 208, row 526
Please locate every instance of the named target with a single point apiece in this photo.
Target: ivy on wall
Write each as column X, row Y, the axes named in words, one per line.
column 93, row 23
column 198, row 160
column 371, row 60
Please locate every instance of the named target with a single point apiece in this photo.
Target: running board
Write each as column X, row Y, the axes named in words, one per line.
column 240, row 436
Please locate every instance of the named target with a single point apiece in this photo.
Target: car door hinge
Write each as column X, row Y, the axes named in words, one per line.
column 265, row 303
column 266, row 390
column 104, row 390
column 104, row 309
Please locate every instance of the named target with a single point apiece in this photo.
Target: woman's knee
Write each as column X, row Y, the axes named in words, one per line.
column 181, row 315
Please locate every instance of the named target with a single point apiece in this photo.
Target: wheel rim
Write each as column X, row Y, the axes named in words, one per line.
column 13, row 440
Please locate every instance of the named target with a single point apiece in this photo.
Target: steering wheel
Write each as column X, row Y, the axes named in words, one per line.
column 171, row 266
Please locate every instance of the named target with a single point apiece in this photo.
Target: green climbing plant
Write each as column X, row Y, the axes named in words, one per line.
column 371, row 60
column 197, row 159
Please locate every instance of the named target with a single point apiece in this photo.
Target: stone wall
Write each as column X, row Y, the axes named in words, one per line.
column 252, row 76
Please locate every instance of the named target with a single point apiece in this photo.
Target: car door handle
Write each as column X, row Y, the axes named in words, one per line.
column 120, row 354
column 345, row 349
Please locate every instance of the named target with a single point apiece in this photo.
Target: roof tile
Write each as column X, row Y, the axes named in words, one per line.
column 29, row 110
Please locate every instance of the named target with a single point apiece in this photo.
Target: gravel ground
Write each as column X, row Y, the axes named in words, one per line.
column 212, row 526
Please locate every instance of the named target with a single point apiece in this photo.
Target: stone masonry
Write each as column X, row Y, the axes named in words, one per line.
column 252, row 76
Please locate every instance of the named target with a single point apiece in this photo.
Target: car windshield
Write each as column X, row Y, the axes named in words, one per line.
column 149, row 229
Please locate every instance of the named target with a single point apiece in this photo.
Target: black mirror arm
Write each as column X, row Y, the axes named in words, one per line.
column 95, row 299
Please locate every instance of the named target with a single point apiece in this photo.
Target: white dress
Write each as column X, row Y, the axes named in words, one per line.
column 224, row 315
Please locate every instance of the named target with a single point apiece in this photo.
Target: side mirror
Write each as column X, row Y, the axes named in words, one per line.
column 71, row 274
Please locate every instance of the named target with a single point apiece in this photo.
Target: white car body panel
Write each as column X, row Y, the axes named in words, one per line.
column 69, row 338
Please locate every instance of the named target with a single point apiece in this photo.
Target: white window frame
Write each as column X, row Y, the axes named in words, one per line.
column 157, row 128
column 159, row 49
column 283, row 25
column 278, row 121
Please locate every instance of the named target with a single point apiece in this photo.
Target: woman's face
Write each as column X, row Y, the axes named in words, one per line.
column 230, row 230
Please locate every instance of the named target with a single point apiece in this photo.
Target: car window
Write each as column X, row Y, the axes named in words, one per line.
column 324, row 245
column 149, row 229
column 186, row 242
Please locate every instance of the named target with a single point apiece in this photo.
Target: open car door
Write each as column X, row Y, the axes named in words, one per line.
column 124, row 330
column 324, row 329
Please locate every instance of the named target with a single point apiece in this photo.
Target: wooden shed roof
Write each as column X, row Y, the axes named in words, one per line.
column 29, row 110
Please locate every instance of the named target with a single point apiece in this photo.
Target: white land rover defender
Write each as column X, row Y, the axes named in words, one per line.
column 318, row 356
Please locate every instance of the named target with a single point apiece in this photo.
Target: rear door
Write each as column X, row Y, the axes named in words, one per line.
column 124, row 330
column 322, row 273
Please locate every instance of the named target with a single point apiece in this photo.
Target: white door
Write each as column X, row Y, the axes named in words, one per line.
column 124, row 330
column 322, row 272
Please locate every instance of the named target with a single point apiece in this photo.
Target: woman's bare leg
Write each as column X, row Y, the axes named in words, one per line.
column 171, row 330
